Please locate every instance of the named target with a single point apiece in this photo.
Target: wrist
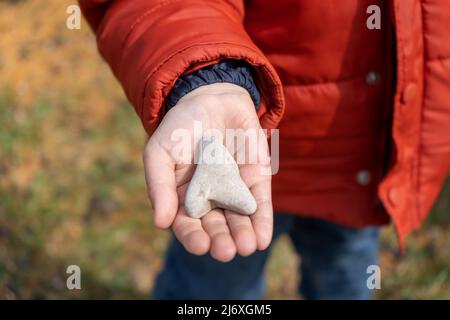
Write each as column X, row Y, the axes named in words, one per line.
column 228, row 71
column 218, row 89
column 223, row 100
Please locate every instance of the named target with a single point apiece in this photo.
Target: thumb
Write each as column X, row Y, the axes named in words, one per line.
column 161, row 185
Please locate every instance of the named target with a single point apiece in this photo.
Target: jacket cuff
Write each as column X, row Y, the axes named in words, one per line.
column 229, row 71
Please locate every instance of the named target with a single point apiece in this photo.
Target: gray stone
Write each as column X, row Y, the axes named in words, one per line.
column 216, row 183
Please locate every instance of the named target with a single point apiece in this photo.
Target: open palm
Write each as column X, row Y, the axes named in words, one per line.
column 223, row 233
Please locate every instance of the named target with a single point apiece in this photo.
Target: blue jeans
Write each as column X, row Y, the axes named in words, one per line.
column 334, row 260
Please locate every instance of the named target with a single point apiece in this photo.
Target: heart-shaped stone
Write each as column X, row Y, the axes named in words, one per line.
column 216, row 182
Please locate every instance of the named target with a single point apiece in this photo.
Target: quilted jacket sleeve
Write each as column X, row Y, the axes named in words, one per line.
column 149, row 44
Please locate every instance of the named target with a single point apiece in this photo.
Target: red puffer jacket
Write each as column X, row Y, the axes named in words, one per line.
column 367, row 114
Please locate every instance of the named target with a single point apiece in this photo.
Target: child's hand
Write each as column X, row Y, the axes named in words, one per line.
column 222, row 233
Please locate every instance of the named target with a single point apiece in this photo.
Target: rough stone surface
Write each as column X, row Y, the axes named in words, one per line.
column 216, row 183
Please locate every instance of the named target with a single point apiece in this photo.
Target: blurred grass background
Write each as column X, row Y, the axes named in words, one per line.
column 72, row 186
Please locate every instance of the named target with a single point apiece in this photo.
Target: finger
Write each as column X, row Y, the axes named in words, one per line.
column 190, row 233
column 161, row 185
column 242, row 232
column 222, row 244
column 262, row 219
